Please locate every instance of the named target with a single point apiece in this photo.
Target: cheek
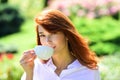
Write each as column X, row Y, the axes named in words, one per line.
column 60, row 41
column 42, row 40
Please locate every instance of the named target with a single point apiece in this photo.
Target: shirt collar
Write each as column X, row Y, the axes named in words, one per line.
column 50, row 64
column 74, row 64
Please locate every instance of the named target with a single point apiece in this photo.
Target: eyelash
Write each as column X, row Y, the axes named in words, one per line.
column 41, row 35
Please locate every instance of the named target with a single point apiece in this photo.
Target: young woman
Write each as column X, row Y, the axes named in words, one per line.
column 72, row 58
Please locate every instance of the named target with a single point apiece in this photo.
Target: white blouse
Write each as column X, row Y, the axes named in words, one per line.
column 74, row 71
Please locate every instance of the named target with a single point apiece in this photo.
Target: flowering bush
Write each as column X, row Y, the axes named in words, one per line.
column 99, row 32
column 88, row 8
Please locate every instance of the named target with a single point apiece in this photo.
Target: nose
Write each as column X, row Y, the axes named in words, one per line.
column 48, row 39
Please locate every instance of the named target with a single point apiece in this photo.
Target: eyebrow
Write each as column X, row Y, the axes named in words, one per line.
column 40, row 32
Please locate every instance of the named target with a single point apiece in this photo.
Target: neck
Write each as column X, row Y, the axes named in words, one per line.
column 63, row 59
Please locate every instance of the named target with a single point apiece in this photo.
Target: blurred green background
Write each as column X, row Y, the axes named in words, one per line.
column 97, row 20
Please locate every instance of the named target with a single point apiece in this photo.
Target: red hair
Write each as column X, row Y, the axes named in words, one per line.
column 53, row 21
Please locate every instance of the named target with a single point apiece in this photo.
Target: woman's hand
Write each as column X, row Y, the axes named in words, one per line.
column 27, row 61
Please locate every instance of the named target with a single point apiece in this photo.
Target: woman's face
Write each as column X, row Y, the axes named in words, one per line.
column 56, row 40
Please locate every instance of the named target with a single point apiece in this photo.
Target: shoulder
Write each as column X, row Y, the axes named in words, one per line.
column 87, row 74
column 91, row 74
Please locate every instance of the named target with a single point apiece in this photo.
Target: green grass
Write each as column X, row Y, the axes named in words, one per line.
column 24, row 39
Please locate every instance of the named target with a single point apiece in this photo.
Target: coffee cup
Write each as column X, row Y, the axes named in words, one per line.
column 43, row 52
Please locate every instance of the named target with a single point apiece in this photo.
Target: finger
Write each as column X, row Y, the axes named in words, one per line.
column 28, row 62
column 29, row 53
column 27, row 56
column 27, row 59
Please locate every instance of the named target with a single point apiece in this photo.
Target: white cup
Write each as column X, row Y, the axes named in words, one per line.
column 44, row 52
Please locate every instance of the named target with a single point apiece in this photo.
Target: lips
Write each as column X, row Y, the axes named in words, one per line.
column 54, row 47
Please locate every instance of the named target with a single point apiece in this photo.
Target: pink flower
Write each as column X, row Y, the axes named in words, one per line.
column 81, row 13
column 91, row 15
column 113, row 9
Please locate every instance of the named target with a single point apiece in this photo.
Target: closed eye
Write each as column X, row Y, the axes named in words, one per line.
column 41, row 35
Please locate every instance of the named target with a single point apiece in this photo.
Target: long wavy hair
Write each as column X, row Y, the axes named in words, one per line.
column 53, row 21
